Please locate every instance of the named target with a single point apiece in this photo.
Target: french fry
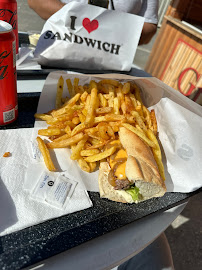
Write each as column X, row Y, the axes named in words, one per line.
column 76, row 120
column 75, row 85
column 138, row 119
column 89, row 152
column 157, row 153
column 103, row 100
column 147, row 117
column 98, row 145
column 140, row 134
column 137, row 93
column 109, row 81
column 101, row 155
column 103, row 130
column 126, row 88
column 91, row 110
column 49, row 132
column 44, row 117
column 78, row 128
column 65, row 143
column 93, row 166
column 82, row 117
column 68, row 130
column 110, row 132
column 70, row 87
column 117, row 105
column 46, row 155
column 84, row 165
column 92, row 85
column 103, row 110
column 77, row 149
column 154, row 122
column 59, row 92
column 83, row 97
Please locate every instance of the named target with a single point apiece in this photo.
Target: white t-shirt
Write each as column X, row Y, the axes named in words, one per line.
column 145, row 8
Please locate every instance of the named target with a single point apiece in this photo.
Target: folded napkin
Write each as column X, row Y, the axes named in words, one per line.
column 17, row 209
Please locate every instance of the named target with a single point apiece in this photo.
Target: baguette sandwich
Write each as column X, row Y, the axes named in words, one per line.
column 131, row 174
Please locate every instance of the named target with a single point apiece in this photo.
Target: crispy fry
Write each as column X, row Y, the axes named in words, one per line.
column 70, row 87
column 154, row 122
column 117, row 105
column 77, row 149
column 91, row 109
column 92, row 85
column 67, row 142
column 78, row 128
column 147, row 117
column 83, row 97
column 59, row 92
column 68, row 130
column 84, row 165
column 103, row 100
column 46, row 155
column 101, row 155
column 103, row 130
column 157, row 153
column 126, row 88
column 138, row 119
column 76, row 120
column 108, row 81
column 93, row 166
column 43, row 116
column 104, row 110
column 61, row 138
column 89, row 152
column 49, row 132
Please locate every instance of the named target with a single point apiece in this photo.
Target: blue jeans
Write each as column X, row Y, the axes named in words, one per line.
column 156, row 256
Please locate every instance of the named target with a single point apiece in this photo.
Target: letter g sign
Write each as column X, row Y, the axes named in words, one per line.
column 192, row 86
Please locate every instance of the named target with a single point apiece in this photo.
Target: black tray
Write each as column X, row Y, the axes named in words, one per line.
column 33, row 244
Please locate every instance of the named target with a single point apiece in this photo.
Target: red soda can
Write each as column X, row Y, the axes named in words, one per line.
column 8, row 13
column 8, row 75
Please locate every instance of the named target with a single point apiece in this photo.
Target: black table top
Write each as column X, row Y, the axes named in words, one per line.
column 36, row 243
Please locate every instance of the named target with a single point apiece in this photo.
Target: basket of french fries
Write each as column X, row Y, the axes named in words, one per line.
column 90, row 121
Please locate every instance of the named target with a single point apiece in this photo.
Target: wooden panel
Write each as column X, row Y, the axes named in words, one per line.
column 166, row 41
column 177, row 49
column 187, row 59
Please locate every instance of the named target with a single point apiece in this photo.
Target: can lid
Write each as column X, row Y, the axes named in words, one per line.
column 5, row 27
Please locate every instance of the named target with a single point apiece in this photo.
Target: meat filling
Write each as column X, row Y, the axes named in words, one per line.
column 122, row 184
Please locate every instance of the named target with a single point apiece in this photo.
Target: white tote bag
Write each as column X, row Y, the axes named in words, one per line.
column 89, row 37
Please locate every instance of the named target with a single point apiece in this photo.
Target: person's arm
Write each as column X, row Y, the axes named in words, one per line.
column 148, row 31
column 149, row 11
column 45, row 8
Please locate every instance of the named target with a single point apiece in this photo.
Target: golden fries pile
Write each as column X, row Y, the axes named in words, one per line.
column 90, row 119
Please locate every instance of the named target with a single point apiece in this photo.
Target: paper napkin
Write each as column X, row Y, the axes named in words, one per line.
column 17, row 209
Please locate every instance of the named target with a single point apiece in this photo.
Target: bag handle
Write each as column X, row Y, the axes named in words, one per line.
column 112, row 3
column 101, row 3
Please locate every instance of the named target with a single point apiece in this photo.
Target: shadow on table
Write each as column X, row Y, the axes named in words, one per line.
column 8, row 215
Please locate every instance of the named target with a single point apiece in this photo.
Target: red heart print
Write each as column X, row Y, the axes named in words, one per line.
column 90, row 25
